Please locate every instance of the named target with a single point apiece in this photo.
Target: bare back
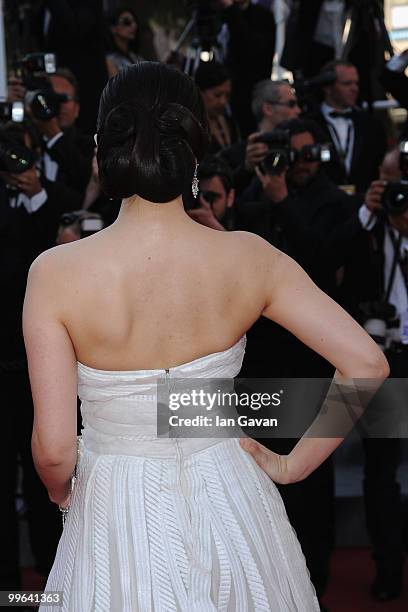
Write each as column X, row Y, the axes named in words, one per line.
column 151, row 300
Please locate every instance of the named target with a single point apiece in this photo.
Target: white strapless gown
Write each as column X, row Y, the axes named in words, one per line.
column 163, row 525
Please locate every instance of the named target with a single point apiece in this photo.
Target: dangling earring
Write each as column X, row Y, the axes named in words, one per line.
column 194, row 184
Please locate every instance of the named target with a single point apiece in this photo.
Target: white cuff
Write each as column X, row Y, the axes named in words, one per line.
column 51, row 142
column 33, row 204
column 398, row 63
column 367, row 218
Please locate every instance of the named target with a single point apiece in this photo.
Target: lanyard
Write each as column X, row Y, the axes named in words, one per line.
column 397, row 259
column 343, row 153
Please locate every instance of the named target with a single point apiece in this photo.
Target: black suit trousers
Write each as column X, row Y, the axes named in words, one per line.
column 382, row 492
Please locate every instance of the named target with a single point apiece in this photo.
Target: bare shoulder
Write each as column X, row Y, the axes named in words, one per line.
column 258, row 252
column 59, row 266
column 54, row 260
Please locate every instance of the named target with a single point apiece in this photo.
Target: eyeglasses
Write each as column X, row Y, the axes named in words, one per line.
column 126, row 21
column 289, row 103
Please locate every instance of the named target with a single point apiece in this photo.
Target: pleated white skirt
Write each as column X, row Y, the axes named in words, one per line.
column 152, row 534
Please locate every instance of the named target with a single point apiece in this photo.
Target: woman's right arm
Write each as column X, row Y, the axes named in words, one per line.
column 293, row 301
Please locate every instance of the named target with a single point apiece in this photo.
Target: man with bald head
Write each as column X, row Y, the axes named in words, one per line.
column 272, row 103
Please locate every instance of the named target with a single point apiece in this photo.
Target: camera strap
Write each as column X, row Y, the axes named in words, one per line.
column 397, row 260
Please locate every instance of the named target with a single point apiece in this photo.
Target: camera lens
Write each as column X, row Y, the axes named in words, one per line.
column 395, row 198
column 15, row 158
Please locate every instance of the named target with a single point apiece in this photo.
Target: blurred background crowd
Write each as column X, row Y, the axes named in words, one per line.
column 307, row 102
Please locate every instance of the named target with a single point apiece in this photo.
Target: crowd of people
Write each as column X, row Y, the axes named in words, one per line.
column 315, row 183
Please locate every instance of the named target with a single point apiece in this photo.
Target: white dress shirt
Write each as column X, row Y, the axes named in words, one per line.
column 399, row 294
column 342, row 132
column 50, row 166
column 30, row 204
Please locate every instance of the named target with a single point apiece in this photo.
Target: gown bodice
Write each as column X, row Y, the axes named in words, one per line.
column 119, row 407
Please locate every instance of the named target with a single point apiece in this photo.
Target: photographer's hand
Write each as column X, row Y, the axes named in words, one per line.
column 274, row 185
column 205, row 216
column 374, row 195
column 15, row 90
column 27, row 182
column 255, row 152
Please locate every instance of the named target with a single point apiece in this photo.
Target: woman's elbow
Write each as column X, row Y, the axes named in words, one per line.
column 376, row 365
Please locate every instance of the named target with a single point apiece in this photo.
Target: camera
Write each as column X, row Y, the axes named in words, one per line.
column 14, row 157
column 11, row 111
column 281, row 155
column 34, row 69
column 37, row 62
column 395, row 196
column 43, row 101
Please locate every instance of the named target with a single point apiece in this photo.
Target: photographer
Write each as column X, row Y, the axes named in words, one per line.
column 51, row 100
column 296, row 207
column 40, row 200
column 375, row 290
column 358, row 137
column 67, row 154
column 272, row 103
column 216, row 196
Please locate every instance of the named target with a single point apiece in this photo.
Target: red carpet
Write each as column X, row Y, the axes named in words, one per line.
column 352, row 573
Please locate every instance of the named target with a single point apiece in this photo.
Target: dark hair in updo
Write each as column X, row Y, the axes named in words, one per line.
column 152, row 128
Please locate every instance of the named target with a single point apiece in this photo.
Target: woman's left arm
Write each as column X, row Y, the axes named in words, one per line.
column 53, row 377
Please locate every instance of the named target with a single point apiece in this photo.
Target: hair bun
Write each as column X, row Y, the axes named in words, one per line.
column 148, row 143
column 120, row 123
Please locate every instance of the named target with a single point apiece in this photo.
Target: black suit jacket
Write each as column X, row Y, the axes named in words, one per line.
column 43, row 224
column 14, row 263
column 73, row 152
column 315, row 225
column 363, row 279
column 370, row 145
